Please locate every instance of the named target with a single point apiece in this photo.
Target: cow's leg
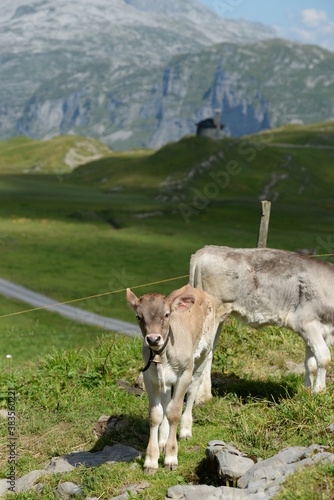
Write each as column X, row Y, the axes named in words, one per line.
column 312, row 334
column 155, row 419
column 187, row 418
column 174, row 411
column 204, row 391
column 164, row 426
column 310, row 368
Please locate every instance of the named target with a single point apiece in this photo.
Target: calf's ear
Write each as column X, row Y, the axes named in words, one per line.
column 133, row 301
column 182, row 303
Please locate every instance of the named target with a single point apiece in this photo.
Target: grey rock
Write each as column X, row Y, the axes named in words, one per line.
column 229, row 462
column 105, row 425
column 133, row 488
column 27, row 481
column 109, row 455
column 59, row 464
column 3, row 486
column 330, row 428
column 204, row 492
column 68, row 489
column 268, row 474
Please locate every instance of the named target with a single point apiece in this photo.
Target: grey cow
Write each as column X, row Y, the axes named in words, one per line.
column 271, row 287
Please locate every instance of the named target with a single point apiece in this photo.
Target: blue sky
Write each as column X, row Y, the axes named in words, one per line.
column 305, row 21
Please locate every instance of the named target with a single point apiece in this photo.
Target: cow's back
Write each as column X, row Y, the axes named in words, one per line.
column 265, row 285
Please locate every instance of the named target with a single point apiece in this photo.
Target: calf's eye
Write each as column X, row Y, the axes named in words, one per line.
column 167, row 315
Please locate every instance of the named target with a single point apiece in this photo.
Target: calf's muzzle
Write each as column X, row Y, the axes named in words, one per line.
column 153, row 339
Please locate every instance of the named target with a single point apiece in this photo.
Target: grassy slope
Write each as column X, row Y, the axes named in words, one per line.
column 58, row 155
column 57, row 234
column 57, row 237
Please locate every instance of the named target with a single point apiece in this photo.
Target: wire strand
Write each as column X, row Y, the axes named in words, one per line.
column 56, row 304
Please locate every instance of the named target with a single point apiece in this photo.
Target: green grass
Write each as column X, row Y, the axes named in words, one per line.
column 74, row 236
column 256, row 405
column 58, row 155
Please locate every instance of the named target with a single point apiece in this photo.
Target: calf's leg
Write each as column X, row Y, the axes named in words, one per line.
column 312, row 334
column 155, row 418
column 197, row 380
column 310, row 368
column 174, row 410
column 164, row 426
column 204, row 391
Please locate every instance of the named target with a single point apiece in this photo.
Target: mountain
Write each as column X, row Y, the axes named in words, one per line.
column 140, row 73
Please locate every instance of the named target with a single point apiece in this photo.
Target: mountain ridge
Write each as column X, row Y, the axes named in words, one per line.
column 140, row 73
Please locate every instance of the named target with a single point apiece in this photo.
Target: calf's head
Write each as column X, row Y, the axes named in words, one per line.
column 153, row 313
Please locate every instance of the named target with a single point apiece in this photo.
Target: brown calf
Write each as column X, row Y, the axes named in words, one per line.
column 178, row 333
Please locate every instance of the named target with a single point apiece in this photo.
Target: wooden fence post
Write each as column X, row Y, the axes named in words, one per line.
column 264, row 224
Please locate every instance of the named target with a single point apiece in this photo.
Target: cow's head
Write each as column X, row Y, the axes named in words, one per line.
column 153, row 313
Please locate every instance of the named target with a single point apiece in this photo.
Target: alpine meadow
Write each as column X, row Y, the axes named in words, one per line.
column 79, row 221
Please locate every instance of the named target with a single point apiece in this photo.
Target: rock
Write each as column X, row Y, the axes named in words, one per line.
column 59, row 464
column 109, row 455
column 3, row 414
column 68, row 489
column 139, row 382
column 134, row 488
column 228, row 462
column 27, row 481
column 330, row 428
column 204, row 492
column 105, row 425
column 268, row 474
column 124, row 384
column 3, row 486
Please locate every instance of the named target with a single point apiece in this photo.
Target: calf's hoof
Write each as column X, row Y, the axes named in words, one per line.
column 150, row 470
column 170, row 465
column 185, row 434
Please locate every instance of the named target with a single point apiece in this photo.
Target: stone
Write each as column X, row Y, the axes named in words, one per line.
column 68, row 489
column 59, row 464
column 268, row 474
column 3, row 486
column 204, row 492
column 105, row 425
column 330, row 428
column 124, row 384
column 109, row 455
column 134, row 488
column 27, row 481
column 228, row 462
column 3, row 414
column 139, row 382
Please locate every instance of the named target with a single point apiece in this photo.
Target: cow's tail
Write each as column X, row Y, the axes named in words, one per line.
column 194, row 274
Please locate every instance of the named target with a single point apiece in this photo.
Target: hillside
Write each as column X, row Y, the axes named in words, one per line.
column 59, row 155
column 134, row 218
